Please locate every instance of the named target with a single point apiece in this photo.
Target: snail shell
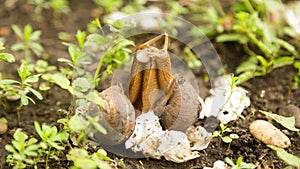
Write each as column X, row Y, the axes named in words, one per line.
column 117, row 117
column 183, row 107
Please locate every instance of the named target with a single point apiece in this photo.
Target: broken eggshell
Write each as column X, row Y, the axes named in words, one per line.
column 226, row 103
column 199, row 137
column 150, row 139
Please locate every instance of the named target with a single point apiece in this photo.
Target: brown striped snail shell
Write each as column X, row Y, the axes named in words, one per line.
column 117, row 117
column 183, row 107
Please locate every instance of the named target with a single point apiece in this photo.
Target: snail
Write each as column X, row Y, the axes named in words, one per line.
column 152, row 87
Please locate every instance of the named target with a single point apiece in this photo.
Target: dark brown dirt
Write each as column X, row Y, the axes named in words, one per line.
column 278, row 87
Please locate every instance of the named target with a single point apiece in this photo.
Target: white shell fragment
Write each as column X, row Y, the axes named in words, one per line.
column 199, row 137
column 149, row 138
column 292, row 17
column 226, row 103
column 269, row 134
column 175, row 146
column 218, row 165
column 141, row 56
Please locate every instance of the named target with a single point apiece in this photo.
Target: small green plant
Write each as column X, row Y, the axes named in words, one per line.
column 58, row 7
column 7, row 57
column 115, row 48
column 297, row 76
column 23, row 150
column 273, row 51
column 52, row 139
column 40, row 5
column 82, row 159
column 78, row 126
column 288, row 158
column 224, row 130
column 109, row 5
column 249, row 24
column 29, row 42
column 239, row 164
column 20, row 90
column 77, row 54
column 25, row 88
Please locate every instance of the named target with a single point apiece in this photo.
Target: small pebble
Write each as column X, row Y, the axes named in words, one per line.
column 269, row 134
column 289, row 111
column 3, row 128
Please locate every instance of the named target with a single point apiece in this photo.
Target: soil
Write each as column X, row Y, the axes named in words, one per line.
column 278, row 87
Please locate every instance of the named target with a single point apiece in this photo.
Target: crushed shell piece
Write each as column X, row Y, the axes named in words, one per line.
column 225, row 104
column 149, row 138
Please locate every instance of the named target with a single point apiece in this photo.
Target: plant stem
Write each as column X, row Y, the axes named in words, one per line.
column 27, row 52
column 47, row 157
column 249, row 6
column 247, row 50
column 19, row 113
column 259, row 44
column 21, row 104
column 219, row 7
column 100, row 63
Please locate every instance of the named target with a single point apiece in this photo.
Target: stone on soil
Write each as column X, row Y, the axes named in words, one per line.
column 269, row 134
column 291, row 111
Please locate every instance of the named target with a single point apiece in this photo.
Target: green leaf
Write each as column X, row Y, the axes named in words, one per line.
column 248, row 65
column 85, row 163
column 61, row 81
column 39, row 130
column 229, row 37
column 248, row 166
column 96, row 22
column 283, row 61
column 287, row 46
column 244, row 77
column 80, row 36
column 27, row 33
column 75, row 124
column 37, row 49
column 35, row 35
column 263, row 61
column 32, row 79
column 8, row 82
column 96, row 124
column 234, row 136
column 287, row 122
column 290, row 159
column 17, row 46
column 7, row 57
column 29, row 98
column 10, row 148
column 95, row 98
column 229, row 161
column 20, row 136
column 36, row 93
column 227, row 139
column 73, row 52
column 24, row 99
column 16, row 29
column 31, row 150
column 82, row 84
column 297, row 65
column 64, row 60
